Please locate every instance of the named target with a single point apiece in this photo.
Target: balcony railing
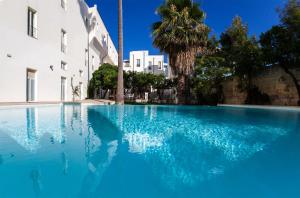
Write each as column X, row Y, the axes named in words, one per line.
column 32, row 31
column 63, row 48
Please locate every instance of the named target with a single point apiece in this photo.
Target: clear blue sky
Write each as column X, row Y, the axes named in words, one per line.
column 260, row 15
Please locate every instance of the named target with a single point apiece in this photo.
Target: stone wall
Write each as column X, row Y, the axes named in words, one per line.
column 273, row 81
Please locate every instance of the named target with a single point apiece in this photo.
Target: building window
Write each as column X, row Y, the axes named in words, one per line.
column 97, row 27
column 138, row 62
column 32, row 23
column 126, row 63
column 63, row 41
column 86, row 57
column 80, row 73
column 64, row 65
column 159, row 65
column 64, row 4
column 93, row 63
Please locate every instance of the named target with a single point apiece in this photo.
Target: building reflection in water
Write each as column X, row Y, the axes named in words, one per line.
column 31, row 121
column 65, row 163
column 34, row 123
column 99, row 153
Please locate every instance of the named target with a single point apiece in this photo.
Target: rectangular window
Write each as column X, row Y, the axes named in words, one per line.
column 138, row 62
column 159, row 65
column 32, row 23
column 86, row 57
column 64, row 65
column 63, row 88
column 80, row 73
column 93, row 63
column 64, row 4
column 63, row 41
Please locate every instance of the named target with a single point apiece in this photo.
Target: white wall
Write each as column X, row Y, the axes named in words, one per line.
column 45, row 51
column 155, row 60
column 102, row 38
column 134, row 56
column 145, row 60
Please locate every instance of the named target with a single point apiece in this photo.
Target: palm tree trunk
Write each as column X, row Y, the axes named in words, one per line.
column 120, row 88
column 181, row 89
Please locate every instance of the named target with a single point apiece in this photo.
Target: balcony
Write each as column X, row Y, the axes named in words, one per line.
column 33, row 32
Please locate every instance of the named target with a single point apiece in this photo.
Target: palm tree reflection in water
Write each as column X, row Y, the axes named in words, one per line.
column 35, row 176
column 99, row 155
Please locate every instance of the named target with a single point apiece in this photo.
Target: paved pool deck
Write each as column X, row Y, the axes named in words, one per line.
column 84, row 102
column 290, row 108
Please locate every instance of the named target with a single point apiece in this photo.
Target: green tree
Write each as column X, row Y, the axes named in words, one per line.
column 105, row 78
column 210, row 72
column 128, row 80
column 182, row 34
column 142, row 83
column 159, row 83
column 242, row 54
column 281, row 44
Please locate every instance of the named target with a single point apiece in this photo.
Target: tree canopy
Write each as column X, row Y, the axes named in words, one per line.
column 281, row 44
column 241, row 52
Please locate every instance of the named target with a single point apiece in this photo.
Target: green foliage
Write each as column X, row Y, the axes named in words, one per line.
column 182, row 34
column 139, row 83
column 142, row 82
column 281, row 44
column 159, row 82
column 181, row 26
column 276, row 46
column 290, row 16
column 210, row 72
column 241, row 52
column 105, row 77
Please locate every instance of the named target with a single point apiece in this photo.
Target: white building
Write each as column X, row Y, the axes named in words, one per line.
column 46, row 46
column 141, row 61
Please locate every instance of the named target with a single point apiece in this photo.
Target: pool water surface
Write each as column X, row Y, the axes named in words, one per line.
column 149, row 152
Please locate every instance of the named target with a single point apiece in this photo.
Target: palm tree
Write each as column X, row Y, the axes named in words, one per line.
column 120, row 88
column 182, row 34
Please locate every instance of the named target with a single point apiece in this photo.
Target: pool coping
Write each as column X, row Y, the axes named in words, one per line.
column 269, row 107
column 50, row 103
column 110, row 102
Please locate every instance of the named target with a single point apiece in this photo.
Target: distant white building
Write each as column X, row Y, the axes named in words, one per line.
column 46, row 46
column 141, row 61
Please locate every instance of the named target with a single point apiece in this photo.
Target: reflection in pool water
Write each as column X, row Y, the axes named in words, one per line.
column 147, row 151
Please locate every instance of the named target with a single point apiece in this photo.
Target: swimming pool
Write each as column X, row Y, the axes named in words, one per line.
column 149, row 152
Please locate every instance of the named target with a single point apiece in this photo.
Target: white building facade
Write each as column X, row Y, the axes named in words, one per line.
column 49, row 48
column 141, row 61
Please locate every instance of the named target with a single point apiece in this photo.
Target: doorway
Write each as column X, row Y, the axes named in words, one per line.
column 63, row 88
column 31, row 85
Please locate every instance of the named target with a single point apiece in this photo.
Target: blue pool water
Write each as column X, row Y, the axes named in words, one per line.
column 149, row 152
